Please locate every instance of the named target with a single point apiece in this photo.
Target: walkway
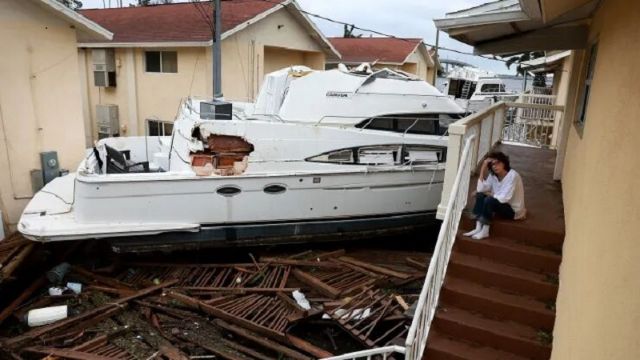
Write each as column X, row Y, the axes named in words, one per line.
column 498, row 300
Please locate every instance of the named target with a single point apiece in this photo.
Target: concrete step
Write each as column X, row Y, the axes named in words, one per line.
column 496, row 304
column 519, row 230
column 442, row 347
column 505, row 277
column 511, row 252
column 503, row 335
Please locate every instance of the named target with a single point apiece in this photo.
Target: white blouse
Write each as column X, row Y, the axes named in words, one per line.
column 510, row 191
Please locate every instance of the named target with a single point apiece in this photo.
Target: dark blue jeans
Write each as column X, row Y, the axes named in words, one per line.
column 486, row 206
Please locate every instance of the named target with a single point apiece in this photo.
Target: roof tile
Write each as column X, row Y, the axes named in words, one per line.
column 369, row 49
column 173, row 22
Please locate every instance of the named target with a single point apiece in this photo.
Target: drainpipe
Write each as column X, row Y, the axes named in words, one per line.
column 217, row 58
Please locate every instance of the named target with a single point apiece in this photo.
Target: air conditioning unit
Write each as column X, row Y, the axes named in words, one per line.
column 107, row 121
column 104, row 67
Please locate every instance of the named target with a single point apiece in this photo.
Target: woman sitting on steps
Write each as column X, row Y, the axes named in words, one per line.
column 499, row 192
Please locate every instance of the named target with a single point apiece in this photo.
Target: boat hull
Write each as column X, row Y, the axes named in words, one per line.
column 256, row 234
column 149, row 205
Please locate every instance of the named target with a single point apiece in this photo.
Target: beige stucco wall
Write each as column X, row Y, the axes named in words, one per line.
column 40, row 102
column 277, row 41
column 551, row 9
column 598, row 305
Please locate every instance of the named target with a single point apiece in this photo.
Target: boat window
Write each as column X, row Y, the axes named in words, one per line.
column 274, row 189
column 418, row 126
column 425, row 124
column 344, row 156
column 423, row 154
column 394, row 154
column 379, row 155
column 492, row 88
column 228, row 190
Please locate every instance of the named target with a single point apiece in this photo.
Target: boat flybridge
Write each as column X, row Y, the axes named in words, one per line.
column 320, row 153
column 474, row 89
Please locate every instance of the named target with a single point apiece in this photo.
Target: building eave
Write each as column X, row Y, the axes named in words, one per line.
column 160, row 44
column 80, row 22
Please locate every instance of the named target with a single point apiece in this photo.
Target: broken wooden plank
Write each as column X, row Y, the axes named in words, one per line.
column 375, row 268
column 66, row 353
column 308, row 347
column 9, row 309
column 281, row 349
column 7, row 270
column 214, row 311
column 87, row 315
column 403, row 304
column 242, row 290
column 246, row 350
column 331, row 254
column 293, row 262
column 417, row 264
column 316, row 284
column 93, row 277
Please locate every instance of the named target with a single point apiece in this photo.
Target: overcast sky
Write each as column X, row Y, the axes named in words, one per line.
column 402, row 18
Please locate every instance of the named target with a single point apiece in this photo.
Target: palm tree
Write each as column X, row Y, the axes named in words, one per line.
column 539, row 78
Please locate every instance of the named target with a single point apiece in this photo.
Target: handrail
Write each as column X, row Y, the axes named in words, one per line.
column 383, row 351
column 428, row 300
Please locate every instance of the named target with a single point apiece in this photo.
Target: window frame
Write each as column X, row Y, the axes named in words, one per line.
column 590, row 61
column 161, row 61
column 399, row 158
column 161, row 125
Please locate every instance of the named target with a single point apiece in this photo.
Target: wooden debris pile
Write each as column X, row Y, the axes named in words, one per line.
column 304, row 306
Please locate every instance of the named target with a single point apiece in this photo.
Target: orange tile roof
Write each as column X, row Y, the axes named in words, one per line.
column 176, row 22
column 369, row 49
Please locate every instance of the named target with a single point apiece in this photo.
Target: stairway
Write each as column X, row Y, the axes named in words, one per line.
column 498, row 299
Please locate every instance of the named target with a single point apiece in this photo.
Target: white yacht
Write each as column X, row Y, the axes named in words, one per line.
column 320, row 154
column 474, row 89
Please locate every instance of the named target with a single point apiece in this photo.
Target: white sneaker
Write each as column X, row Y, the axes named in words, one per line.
column 474, row 231
column 483, row 233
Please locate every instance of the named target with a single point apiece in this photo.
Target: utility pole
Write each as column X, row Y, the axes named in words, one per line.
column 216, row 49
column 435, row 57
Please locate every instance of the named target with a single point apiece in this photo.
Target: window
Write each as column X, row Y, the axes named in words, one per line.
column 584, row 100
column 394, row 154
column 424, row 124
column 159, row 128
column 161, row 61
column 492, row 88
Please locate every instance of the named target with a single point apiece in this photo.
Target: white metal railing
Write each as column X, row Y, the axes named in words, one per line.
column 470, row 139
column 428, row 301
column 377, row 353
column 534, row 121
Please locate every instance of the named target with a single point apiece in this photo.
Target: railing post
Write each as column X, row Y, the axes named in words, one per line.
column 454, row 146
column 498, row 124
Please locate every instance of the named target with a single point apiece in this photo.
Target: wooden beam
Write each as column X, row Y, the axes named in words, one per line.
column 66, row 353
column 554, row 38
column 375, row 268
column 316, row 284
column 262, row 341
column 90, row 315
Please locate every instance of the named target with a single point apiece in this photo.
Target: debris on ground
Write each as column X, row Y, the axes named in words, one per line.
column 302, row 306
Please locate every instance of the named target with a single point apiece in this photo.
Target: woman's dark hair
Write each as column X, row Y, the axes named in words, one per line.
column 502, row 157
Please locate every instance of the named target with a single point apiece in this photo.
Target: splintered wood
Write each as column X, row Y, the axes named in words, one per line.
column 263, row 309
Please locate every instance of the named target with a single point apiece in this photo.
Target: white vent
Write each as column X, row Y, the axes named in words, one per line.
column 104, row 67
column 107, row 120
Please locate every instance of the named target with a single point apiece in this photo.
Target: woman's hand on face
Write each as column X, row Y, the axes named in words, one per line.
column 487, row 162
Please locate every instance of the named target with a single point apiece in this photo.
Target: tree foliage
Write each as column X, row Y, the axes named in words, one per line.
column 72, row 4
column 153, row 2
column 348, row 32
column 519, row 59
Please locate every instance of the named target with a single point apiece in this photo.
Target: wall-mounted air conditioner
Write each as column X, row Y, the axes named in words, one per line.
column 104, row 67
column 107, row 121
